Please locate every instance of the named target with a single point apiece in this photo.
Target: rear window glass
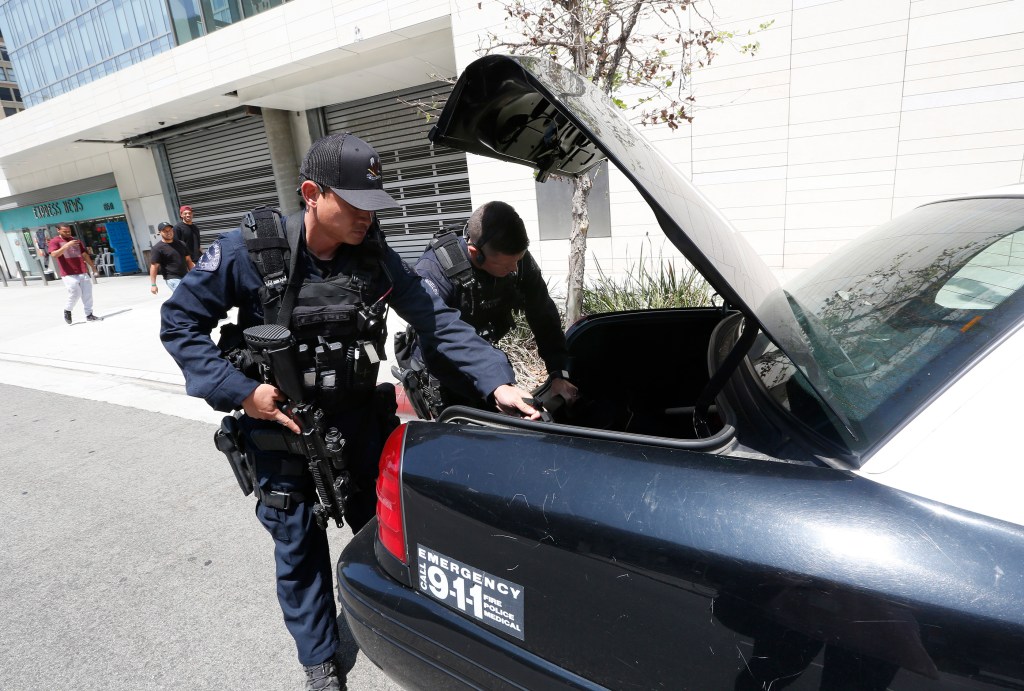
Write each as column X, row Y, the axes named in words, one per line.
column 893, row 318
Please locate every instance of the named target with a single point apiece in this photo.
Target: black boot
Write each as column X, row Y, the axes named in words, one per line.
column 323, row 677
column 93, row 318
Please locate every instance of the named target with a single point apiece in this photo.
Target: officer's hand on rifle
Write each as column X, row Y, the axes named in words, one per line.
column 262, row 405
column 509, row 400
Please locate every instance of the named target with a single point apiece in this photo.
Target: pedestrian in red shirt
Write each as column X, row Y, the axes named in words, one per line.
column 74, row 262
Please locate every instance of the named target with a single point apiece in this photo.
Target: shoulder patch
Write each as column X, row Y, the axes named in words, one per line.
column 210, row 259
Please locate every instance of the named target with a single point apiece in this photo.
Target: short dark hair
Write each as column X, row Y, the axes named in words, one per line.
column 499, row 227
column 64, row 225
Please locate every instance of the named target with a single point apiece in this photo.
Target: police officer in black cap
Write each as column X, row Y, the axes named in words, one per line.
column 340, row 267
column 487, row 274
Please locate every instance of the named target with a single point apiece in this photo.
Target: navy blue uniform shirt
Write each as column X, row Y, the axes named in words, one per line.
column 531, row 296
column 225, row 277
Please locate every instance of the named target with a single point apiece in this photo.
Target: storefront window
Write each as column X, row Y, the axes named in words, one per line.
column 23, row 254
column 96, row 218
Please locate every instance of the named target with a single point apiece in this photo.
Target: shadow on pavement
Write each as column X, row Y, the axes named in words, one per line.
column 345, row 657
column 114, row 314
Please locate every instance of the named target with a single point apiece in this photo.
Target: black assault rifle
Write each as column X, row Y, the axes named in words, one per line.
column 275, row 352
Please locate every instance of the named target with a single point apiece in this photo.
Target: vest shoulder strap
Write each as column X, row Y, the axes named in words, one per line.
column 453, row 258
column 274, row 252
column 265, row 240
column 295, row 240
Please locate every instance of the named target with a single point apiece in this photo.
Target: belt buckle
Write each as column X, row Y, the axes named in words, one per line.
column 287, row 496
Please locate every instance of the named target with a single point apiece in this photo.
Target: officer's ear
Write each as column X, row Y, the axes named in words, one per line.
column 310, row 192
column 476, row 255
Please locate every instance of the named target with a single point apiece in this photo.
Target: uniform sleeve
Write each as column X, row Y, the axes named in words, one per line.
column 543, row 317
column 201, row 300
column 451, row 348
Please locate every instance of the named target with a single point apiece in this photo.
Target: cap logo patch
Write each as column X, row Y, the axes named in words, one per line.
column 373, row 172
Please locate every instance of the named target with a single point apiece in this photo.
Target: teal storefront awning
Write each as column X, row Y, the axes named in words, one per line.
column 80, row 207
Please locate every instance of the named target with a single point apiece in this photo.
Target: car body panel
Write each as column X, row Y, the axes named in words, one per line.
column 955, row 451
column 422, row 644
column 654, row 550
column 722, row 560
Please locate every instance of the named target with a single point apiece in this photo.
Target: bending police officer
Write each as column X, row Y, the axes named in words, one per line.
column 486, row 274
column 340, row 268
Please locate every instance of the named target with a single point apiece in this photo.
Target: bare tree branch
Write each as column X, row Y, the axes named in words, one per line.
column 646, row 45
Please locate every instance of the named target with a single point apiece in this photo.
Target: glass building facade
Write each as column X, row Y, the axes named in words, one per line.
column 10, row 95
column 60, row 45
column 195, row 18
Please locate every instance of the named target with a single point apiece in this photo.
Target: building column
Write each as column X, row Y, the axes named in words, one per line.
column 277, row 124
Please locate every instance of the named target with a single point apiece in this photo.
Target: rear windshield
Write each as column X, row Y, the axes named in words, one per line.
column 894, row 317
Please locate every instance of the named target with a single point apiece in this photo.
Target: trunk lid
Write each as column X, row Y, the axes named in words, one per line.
column 537, row 113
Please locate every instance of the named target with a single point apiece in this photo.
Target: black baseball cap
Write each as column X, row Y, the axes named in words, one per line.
column 164, row 224
column 351, row 168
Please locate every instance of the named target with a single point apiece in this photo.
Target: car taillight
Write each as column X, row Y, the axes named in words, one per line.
column 390, row 526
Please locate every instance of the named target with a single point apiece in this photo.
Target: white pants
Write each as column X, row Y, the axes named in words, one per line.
column 78, row 285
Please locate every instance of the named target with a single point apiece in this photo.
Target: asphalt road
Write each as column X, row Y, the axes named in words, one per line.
column 129, row 559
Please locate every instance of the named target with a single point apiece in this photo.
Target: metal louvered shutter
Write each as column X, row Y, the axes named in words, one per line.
column 222, row 172
column 430, row 182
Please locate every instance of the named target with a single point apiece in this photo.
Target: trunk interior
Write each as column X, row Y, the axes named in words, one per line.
column 641, row 372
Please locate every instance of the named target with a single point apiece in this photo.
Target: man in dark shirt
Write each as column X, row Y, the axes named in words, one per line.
column 170, row 258
column 188, row 232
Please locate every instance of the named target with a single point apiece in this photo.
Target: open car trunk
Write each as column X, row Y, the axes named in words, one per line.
column 639, row 374
column 642, row 372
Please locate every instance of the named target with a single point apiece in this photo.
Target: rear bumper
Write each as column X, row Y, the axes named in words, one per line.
column 423, row 645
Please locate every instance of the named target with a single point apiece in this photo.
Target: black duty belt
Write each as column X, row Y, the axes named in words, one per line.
column 279, row 441
column 276, row 440
column 280, row 500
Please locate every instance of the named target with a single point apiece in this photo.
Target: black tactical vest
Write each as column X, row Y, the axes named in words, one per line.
column 486, row 302
column 338, row 323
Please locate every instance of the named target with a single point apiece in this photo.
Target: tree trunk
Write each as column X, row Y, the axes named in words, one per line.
column 577, row 249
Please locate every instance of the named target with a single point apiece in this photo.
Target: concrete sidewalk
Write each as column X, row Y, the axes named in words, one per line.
column 119, row 360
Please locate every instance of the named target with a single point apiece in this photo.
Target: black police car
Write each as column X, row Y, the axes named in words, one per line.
column 811, row 487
